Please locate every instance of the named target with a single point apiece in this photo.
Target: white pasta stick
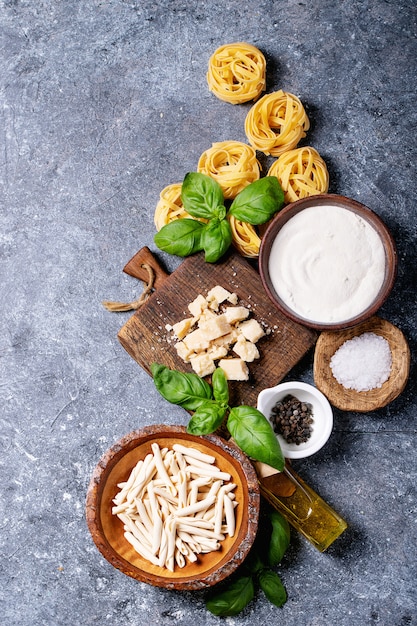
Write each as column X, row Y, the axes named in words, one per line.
column 163, row 548
column 173, row 466
column 180, row 459
column 161, row 467
column 170, row 531
column 156, row 519
column 143, row 478
column 188, row 541
column 165, row 495
column 182, row 488
column 208, row 471
column 218, row 519
column 195, row 489
column 195, row 531
column 195, row 454
column 197, row 506
column 140, row 549
column 179, row 559
column 196, row 522
column 124, row 487
column 229, row 511
column 198, row 463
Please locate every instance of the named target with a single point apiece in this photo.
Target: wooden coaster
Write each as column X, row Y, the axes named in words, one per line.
column 362, row 401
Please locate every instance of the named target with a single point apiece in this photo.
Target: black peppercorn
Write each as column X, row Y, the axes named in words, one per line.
column 292, row 419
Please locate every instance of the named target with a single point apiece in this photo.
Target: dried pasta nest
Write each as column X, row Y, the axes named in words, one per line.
column 276, row 123
column 244, row 237
column 232, row 164
column 301, row 172
column 236, row 73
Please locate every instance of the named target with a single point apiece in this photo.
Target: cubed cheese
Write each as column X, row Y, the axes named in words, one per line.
column 202, row 364
column 196, row 341
column 217, row 295
column 234, row 369
column 217, row 352
column 183, row 352
column 183, row 327
column 246, row 350
column 235, row 314
column 251, row 330
column 197, row 306
column 215, row 327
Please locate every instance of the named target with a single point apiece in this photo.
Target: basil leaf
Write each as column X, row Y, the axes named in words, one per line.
column 254, row 435
column 201, row 195
column 258, row 202
column 207, row 418
column 187, row 390
column 220, row 386
column 271, row 585
column 233, row 599
column 280, row 537
column 181, row 237
column 216, row 239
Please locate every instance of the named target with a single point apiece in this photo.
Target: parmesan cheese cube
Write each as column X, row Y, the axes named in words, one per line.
column 216, row 327
column 235, row 314
column 232, row 298
column 183, row 352
column 234, row 369
column 227, row 340
column 217, row 352
column 181, row 328
column 251, row 330
column 197, row 306
column 246, row 350
column 202, row 364
column 196, row 341
column 217, row 295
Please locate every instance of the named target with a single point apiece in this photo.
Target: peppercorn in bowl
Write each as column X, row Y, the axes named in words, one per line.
column 300, row 415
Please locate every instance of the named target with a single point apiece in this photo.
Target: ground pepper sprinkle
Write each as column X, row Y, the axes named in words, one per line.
column 292, row 419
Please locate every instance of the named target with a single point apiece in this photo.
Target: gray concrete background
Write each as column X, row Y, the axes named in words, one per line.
column 104, row 103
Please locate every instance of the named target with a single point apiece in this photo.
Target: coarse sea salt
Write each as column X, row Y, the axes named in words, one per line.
column 362, row 363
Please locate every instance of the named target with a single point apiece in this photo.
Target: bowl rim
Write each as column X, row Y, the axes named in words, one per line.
column 301, row 451
column 289, row 211
column 133, row 440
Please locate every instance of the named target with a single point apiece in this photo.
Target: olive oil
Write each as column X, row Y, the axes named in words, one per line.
column 303, row 508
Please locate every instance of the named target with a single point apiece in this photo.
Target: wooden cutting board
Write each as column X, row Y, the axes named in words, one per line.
column 146, row 339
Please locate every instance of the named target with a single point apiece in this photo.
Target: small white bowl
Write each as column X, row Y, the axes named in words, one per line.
column 322, row 416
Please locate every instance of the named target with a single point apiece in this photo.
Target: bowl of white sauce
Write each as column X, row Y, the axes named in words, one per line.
column 328, row 262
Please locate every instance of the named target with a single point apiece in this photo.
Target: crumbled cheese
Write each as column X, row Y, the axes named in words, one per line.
column 215, row 332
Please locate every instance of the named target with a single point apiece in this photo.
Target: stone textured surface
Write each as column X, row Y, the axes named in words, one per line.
column 103, row 104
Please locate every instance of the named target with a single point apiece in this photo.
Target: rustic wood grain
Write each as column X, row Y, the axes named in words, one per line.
column 146, row 339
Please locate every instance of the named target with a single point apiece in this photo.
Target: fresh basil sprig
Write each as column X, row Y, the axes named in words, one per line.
column 202, row 198
column 231, row 597
column 249, row 427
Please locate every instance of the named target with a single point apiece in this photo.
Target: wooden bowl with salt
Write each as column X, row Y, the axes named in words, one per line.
column 108, row 531
column 362, row 401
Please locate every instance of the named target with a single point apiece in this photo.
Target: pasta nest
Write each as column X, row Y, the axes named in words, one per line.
column 301, row 172
column 244, row 237
column 232, row 164
column 236, row 73
column 276, row 123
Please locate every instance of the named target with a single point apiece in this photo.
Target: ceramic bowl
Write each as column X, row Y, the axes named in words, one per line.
column 290, row 211
column 108, row 532
column 322, row 416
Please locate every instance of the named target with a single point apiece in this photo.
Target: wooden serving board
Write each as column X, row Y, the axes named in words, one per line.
column 146, row 339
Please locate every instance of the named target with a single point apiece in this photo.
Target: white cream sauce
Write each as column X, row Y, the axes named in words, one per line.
column 327, row 264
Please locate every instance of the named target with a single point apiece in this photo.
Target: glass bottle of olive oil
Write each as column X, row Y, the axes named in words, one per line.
column 303, row 508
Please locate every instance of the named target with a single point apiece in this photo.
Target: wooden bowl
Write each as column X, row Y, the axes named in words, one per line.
column 107, row 530
column 362, row 211
column 362, row 401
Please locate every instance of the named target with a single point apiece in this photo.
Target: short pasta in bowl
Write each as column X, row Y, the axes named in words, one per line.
column 172, row 509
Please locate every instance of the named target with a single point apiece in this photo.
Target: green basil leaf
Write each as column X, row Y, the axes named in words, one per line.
column 187, row 390
column 259, row 201
column 280, row 537
column 254, row 435
column 233, row 599
column 207, row 418
column 216, row 239
column 201, row 195
column 220, row 386
column 271, row 585
column 181, row 237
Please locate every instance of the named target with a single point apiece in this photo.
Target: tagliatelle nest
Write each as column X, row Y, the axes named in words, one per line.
column 232, row 164
column 276, row 123
column 301, row 172
column 236, row 73
column 244, row 237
